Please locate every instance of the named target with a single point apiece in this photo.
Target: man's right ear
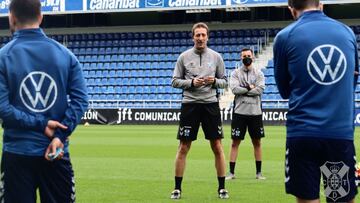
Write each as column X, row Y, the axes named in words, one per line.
column 293, row 12
column 321, row 7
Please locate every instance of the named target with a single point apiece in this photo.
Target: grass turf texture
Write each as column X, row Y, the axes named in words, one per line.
column 136, row 164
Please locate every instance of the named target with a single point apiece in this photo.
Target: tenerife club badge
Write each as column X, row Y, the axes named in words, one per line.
column 336, row 180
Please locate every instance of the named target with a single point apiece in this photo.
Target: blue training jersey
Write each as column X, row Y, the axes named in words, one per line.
column 39, row 80
column 314, row 60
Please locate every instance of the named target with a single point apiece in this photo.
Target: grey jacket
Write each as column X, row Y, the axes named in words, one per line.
column 247, row 102
column 193, row 64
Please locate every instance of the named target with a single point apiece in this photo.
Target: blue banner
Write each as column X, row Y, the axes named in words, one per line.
column 78, row 6
column 93, row 5
column 243, row 2
column 49, row 6
column 73, row 5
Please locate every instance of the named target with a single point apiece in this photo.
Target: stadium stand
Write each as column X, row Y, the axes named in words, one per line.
column 137, row 65
column 134, row 69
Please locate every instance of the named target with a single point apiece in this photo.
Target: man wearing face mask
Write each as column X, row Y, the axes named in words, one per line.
column 38, row 76
column 199, row 72
column 247, row 83
column 315, row 59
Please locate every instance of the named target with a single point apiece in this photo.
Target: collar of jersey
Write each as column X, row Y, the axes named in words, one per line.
column 309, row 14
column 200, row 52
column 29, row 32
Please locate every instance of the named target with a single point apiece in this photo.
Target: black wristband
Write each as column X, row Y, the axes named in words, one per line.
column 192, row 83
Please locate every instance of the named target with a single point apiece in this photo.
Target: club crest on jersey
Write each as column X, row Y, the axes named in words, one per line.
column 326, row 64
column 336, row 179
column 38, row 91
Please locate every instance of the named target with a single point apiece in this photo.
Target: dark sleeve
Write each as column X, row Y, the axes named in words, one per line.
column 78, row 100
column 356, row 65
column 281, row 72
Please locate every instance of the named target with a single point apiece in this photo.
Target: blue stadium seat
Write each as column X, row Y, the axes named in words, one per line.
column 118, row 81
column 119, row 66
column 126, row 73
column 146, row 89
column 127, row 65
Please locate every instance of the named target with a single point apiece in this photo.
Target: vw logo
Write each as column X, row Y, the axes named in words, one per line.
column 239, row 1
column 326, row 64
column 38, row 91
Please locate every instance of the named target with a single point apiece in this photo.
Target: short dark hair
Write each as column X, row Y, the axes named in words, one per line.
column 303, row 4
column 25, row 11
column 247, row 49
column 199, row 25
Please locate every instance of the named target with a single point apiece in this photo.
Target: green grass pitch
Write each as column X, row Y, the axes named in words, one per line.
column 136, row 164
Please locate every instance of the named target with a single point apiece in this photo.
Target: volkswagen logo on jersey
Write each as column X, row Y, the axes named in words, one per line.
column 336, row 180
column 154, row 3
column 326, row 64
column 38, row 91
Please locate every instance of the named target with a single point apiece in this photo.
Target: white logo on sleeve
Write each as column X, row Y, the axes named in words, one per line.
column 326, row 64
column 38, row 91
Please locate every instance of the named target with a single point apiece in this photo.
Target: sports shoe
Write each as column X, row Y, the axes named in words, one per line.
column 230, row 176
column 259, row 176
column 223, row 194
column 176, row 194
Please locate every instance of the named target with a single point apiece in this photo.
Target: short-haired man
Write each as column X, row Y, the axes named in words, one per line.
column 315, row 59
column 200, row 71
column 247, row 83
column 37, row 77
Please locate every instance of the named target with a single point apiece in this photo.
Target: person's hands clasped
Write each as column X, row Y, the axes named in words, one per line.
column 198, row 82
column 51, row 150
column 209, row 80
column 56, row 143
column 52, row 126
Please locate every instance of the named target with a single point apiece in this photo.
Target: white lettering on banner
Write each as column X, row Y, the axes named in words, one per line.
column 226, row 114
column 53, row 3
column 125, row 114
column 113, row 4
column 189, row 3
column 157, row 116
column 274, row 116
column 122, row 115
column 4, row 4
column 90, row 115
